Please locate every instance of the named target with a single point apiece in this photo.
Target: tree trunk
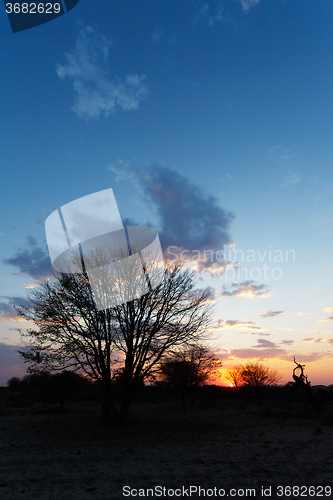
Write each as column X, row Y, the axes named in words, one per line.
column 62, row 401
column 124, row 409
column 183, row 393
column 193, row 394
column 129, row 390
column 108, row 409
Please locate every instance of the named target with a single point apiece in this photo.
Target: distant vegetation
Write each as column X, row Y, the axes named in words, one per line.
column 253, row 375
column 45, row 387
column 185, row 379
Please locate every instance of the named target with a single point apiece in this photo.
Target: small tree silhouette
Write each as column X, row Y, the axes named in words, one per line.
column 257, row 376
column 14, row 384
column 234, row 376
column 189, row 368
column 316, row 396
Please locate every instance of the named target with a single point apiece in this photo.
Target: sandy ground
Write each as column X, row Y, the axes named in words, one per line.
column 233, row 444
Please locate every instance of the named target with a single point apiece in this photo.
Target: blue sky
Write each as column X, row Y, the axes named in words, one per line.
column 224, row 105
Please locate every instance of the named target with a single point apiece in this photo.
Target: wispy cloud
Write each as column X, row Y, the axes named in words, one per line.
column 235, row 323
column 318, row 340
column 279, row 154
column 263, row 352
column 32, row 260
column 158, row 33
column 312, row 340
column 290, row 179
column 270, row 314
column 248, row 4
column 96, row 93
column 210, row 14
column 328, row 318
column 246, row 289
column 263, row 343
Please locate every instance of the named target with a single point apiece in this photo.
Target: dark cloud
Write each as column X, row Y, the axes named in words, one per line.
column 270, row 314
column 263, row 349
column 11, row 365
column 188, row 218
column 266, row 343
column 246, row 289
column 7, row 309
column 32, row 260
column 31, row 241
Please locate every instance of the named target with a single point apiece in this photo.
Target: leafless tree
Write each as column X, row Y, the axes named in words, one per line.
column 259, row 375
column 71, row 333
column 316, row 395
column 151, row 327
column 234, row 376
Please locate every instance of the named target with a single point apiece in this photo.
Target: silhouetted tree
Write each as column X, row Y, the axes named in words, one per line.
column 316, row 395
column 254, row 375
column 257, row 376
column 66, row 385
column 72, row 334
column 234, row 376
column 189, row 368
column 14, row 383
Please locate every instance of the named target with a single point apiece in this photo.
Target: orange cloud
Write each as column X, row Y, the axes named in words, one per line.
column 12, row 318
column 325, row 320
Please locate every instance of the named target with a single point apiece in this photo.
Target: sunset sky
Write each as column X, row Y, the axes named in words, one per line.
column 210, row 120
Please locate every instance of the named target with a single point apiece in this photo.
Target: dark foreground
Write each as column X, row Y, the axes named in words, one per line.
column 231, row 444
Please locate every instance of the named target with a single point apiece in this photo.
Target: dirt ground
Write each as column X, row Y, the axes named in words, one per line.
column 241, row 448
